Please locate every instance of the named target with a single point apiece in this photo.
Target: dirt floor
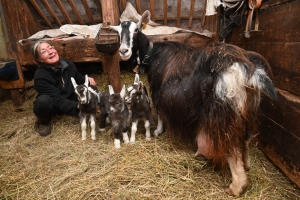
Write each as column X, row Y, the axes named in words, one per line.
column 62, row 166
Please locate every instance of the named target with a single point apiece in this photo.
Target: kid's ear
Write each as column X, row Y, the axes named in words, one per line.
column 86, row 82
column 123, row 92
column 141, row 86
column 74, row 82
column 111, row 89
column 136, row 79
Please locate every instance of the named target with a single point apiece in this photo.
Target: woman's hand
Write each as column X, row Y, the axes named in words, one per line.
column 92, row 81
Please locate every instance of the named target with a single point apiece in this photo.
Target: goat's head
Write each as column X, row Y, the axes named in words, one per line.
column 116, row 100
column 135, row 91
column 82, row 90
column 128, row 33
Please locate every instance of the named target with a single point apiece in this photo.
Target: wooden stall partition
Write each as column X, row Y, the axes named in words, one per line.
column 278, row 40
column 18, row 22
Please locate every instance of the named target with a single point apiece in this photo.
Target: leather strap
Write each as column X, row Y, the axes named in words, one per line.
column 254, row 5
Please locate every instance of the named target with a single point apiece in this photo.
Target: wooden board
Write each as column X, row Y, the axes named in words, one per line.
column 281, row 146
column 278, row 41
column 285, row 111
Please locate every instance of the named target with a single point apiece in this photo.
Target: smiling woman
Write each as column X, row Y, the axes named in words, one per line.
column 52, row 81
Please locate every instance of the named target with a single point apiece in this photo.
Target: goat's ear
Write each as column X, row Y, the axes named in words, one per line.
column 74, row 82
column 123, row 92
column 86, row 82
column 144, row 19
column 111, row 90
column 141, row 86
column 115, row 28
column 136, row 79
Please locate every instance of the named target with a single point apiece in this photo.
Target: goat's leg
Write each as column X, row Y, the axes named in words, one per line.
column 103, row 118
column 147, row 127
column 125, row 137
column 133, row 130
column 246, row 157
column 117, row 141
column 93, row 127
column 83, row 127
column 239, row 178
column 159, row 128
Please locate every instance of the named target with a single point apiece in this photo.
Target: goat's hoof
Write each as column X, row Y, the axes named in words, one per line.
column 94, row 139
column 83, row 138
column 234, row 191
column 101, row 129
column 156, row 133
column 126, row 142
column 132, row 142
column 147, row 139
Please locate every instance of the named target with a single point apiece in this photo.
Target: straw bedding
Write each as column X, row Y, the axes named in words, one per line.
column 62, row 166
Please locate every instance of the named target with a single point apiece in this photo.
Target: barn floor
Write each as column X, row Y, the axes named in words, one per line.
column 62, row 166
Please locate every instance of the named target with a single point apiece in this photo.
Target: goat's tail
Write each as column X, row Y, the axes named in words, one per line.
column 236, row 82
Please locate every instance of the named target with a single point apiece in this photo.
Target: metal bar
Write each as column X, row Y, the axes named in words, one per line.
column 63, row 11
column 152, row 10
column 88, row 11
column 138, row 6
column 191, row 13
column 36, row 6
column 178, row 12
column 50, row 10
column 73, row 6
column 165, row 12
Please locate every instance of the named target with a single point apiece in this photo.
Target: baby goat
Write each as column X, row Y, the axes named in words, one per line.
column 119, row 115
column 140, row 107
column 88, row 98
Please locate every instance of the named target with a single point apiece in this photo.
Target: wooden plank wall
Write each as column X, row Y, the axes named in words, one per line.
column 279, row 42
column 17, row 26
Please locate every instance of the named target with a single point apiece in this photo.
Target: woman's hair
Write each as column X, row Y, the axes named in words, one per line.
column 34, row 49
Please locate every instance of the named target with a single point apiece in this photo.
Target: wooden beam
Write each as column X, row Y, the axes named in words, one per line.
column 152, row 11
column 88, row 11
column 178, row 12
column 73, row 6
column 165, row 12
column 204, row 13
column 98, row 4
column 50, row 10
column 192, row 8
column 138, row 6
column 111, row 16
column 63, row 11
column 40, row 12
column 124, row 4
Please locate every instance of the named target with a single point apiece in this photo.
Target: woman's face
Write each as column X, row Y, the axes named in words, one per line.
column 47, row 54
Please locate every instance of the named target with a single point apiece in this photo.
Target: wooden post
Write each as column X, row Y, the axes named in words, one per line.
column 111, row 16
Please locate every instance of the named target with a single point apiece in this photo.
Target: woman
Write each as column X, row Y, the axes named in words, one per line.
column 52, row 81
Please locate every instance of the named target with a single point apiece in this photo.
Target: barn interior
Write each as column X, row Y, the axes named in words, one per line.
column 270, row 28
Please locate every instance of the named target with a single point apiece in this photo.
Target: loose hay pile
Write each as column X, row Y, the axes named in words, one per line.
column 62, row 166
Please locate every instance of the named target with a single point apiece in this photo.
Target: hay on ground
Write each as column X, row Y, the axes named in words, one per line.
column 62, row 166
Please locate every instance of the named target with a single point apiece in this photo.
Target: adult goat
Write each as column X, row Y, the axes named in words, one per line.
column 211, row 94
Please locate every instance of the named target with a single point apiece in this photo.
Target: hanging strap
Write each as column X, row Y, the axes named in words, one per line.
column 254, row 5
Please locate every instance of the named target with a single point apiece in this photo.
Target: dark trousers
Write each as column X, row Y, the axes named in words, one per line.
column 44, row 108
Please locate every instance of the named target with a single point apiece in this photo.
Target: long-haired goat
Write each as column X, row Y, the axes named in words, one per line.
column 119, row 114
column 88, row 98
column 140, row 107
column 211, row 94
